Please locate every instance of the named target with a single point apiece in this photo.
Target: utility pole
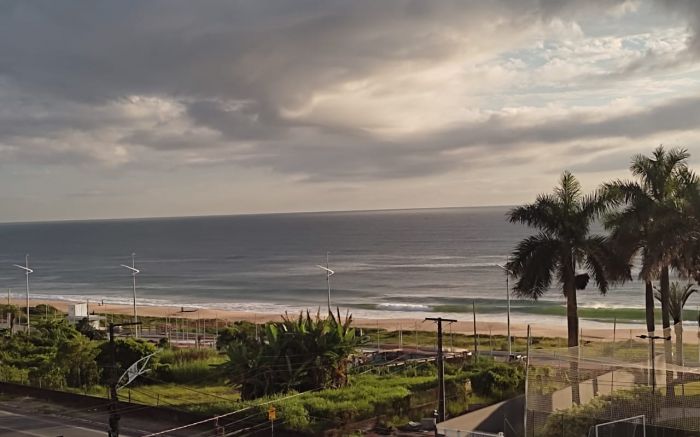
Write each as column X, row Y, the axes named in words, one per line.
column 476, row 342
column 113, row 430
column 440, row 367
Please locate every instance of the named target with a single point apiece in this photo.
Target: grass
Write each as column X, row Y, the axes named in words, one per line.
column 179, row 395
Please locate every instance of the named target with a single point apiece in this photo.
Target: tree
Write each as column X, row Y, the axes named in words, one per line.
column 78, row 358
column 678, row 296
column 300, row 354
column 562, row 245
column 128, row 351
column 652, row 218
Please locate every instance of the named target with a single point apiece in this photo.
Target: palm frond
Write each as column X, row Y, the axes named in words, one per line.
column 533, row 262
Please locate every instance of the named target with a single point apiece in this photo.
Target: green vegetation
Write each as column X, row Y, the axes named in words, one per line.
column 190, row 366
column 323, row 391
column 306, row 353
column 501, row 381
column 577, row 420
column 54, row 355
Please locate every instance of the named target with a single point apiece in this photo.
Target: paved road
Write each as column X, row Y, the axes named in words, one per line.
column 12, row 424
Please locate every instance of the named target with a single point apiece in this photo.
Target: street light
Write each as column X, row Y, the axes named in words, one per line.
column 653, row 355
column 27, row 271
column 329, row 273
column 134, row 272
column 508, row 273
column 196, row 329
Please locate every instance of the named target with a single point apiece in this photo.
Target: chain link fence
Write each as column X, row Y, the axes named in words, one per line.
column 571, row 390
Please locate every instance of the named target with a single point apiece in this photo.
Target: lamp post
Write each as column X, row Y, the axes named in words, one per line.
column 653, row 355
column 329, row 273
column 27, row 271
column 508, row 273
column 196, row 334
column 134, row 272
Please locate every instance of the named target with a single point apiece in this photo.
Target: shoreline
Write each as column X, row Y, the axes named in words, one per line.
column 597, row 331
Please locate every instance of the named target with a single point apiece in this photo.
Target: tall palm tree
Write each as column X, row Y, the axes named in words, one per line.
column 562, row 245
column 652, row 221
column 678, row 296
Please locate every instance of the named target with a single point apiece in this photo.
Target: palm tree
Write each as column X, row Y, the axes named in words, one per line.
column 562, row 245
column 678, row 296
column 655, row 223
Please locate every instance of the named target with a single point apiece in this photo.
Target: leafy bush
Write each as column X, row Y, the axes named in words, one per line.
column 499, row 380
column 185, row 355
column 295, row 354
column 577, row 420
column 128, row 351
column 241, row 331
column 13, row 374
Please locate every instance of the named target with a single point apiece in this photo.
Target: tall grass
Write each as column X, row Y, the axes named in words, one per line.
column 190, row 366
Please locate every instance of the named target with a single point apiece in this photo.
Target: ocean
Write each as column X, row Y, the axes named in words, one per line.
column 388, row 264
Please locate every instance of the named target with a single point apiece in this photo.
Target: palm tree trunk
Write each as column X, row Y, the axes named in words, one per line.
column 573, row 340
column 666, row 323
column 649, row 306
column 678, row 327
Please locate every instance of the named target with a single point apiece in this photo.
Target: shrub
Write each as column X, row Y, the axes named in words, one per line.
column 13, row 374
column 578, row 419
column 499, row 380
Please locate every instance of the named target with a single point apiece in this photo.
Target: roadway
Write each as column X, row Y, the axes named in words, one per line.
column 22, row 425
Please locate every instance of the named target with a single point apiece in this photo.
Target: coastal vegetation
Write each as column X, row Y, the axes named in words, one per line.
column 309, row 398
column 299, row 353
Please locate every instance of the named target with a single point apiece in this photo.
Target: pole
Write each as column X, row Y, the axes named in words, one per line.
column 527, row 375
column 653, row 365
column 441, row 367
column 476, row 345
column 133, row 276
column 612, row 355
column 113, row 415
column 26, row 272
column 9, row 290
column 510, row 351
column 415, row 328
column 379, row 347
column 441, row 374
column 113, row 430
column 328, row 281
column 508, row 273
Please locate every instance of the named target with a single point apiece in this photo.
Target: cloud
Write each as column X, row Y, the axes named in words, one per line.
column 306, row 91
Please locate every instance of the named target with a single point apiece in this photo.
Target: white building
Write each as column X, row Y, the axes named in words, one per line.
column 79, row 311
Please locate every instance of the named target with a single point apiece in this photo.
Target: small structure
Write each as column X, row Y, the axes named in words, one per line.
column 79, row 311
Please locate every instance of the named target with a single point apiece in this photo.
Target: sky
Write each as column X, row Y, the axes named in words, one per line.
column 113, row 109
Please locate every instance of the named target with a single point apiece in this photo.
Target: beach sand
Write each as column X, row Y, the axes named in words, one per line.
column 464, row 326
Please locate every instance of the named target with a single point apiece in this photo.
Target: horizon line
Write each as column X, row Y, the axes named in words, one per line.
column 165, row 217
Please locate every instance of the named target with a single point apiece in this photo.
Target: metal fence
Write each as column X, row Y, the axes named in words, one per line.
column 570, row 391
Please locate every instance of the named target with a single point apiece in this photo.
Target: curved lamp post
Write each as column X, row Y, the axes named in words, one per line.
column 27, row 271
column 329, row 273
column 134, row 272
